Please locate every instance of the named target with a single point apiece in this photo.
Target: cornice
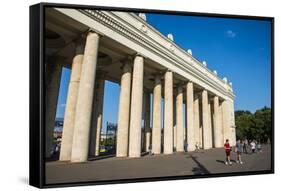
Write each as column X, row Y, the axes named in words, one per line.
column 141, row 37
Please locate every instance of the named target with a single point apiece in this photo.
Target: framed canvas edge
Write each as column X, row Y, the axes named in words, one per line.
column 37, row 96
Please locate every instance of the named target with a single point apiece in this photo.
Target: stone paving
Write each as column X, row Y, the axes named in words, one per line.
column 203, row 162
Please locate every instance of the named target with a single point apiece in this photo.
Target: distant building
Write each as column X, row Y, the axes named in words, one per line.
column 58, row 128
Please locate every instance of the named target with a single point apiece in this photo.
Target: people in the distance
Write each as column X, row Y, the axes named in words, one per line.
column 259, row 147
column 245, row 144
column 186, row 146
column 196, row 147
column 227, row 149
column 149, row 150
column 253, row 146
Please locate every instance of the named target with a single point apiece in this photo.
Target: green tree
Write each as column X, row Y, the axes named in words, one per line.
column 254, row 126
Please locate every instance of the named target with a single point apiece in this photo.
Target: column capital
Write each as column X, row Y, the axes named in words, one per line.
column 87, row 32
column 157, row 79
column 204, row 89
column 92, row 30
column 196, row 95
column 79, row 46
column 189, row 81
column 127, row 66
column 179, row 87
column 138, row 54
column 168, row 70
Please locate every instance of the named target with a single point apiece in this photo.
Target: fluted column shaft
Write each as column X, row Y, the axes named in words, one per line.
column 217, row 124
column 136, row 108
column 220, row 119
column 231, row 123
column 85, row 99
column 226, row 119
column 179, row 120
column 210, row 122
column 168, row 113
column 147, row 130
column 71, row 102
column 196, row 122
column 175, row 122
column 156, row 117
column 99, row 111
column 207, row 138
column 190, row 118
column 124, row 112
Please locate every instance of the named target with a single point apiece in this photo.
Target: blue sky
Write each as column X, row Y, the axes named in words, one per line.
column 237, row 49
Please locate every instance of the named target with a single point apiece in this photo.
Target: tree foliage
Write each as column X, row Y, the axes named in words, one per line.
column 254, row 125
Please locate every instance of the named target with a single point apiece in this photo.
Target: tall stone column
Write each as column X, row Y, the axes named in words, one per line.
column 210, row 122
column 226, row 120
column 136, row 108
column 221, row 130
column 97, row 117
column 168, row 113
column 85, row 99
column 232, row 123
column 175, row 122
column 207, row 138
column 179, row 119
column 200, row 121
column 71, row 102
column 196, row 122
column 100, row 96
column 217, row 124
column 52, row 92
column 189, row 116
column 124, row 112
column 156, row 116
column 147, row 130
column 201, row 135
column 99, row 114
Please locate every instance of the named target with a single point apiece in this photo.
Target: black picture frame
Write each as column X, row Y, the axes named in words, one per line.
column 37, row 95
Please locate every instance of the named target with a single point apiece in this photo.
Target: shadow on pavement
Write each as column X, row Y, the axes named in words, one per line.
column 144, row 153
column 200, row 169
column 221, row 161
column 101, row 157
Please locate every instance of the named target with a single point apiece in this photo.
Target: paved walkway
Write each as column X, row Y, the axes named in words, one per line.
column 202, row 162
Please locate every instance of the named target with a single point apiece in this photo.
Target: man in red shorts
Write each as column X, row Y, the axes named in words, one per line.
column 227, row 149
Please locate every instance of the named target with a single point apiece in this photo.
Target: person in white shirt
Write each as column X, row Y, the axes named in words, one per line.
column 253, row 146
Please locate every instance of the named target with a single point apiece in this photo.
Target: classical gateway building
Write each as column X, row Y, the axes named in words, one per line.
column 123, row 48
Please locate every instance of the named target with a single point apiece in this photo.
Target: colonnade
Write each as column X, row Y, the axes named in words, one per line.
column 208, row 117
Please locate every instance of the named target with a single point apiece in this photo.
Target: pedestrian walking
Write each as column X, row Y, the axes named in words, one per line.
column 253, row 146
column 150, row 150
column 196, row 147
column 245, row 144
column 186, row 147
column 259, row 147
column 239, row 149
column 227, row 149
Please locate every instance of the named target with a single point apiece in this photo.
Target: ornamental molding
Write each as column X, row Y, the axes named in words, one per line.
column 141, row 37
